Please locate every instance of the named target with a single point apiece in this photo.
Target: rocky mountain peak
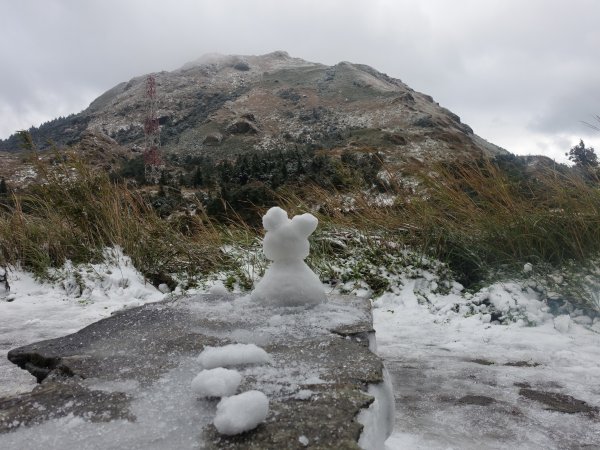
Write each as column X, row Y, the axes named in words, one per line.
column 226, row 105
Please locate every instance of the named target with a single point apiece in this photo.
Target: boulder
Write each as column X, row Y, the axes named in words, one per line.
column 213, row 139
column 242, row 126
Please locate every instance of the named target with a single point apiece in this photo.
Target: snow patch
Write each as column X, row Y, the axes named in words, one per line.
column 80, row 295
column 562, row 323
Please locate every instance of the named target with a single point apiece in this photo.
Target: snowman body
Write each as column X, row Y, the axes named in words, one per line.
column 288, row 281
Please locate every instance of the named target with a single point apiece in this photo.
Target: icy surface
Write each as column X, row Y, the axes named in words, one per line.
column 457, row 374
column 288, row 281
column 378, row 419
column 264, row 324
column 242, row 412
column 232, row 355
column 167, row 416
column 81, row 296
column 159, row 424
column 218, row 382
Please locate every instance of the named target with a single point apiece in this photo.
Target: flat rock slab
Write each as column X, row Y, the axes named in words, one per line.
column 124, row 381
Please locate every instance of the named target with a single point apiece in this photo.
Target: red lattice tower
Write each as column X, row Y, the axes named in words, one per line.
column 153, row 162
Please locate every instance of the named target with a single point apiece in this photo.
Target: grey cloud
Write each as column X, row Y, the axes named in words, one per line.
column 530, row 63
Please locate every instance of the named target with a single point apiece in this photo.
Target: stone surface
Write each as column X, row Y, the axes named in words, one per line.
column 556, row 401
column 316, row 383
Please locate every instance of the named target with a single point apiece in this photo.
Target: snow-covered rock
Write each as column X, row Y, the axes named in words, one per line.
column 241, row 412
column 288, row 281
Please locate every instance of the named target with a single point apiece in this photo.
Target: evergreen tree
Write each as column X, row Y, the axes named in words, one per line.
column 583, row 156
column 197, row 178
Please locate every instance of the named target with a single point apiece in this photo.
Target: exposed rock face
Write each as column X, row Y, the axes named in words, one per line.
column 291, row 103
column 122, row 367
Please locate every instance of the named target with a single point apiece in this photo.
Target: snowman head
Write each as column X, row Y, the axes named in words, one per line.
column 287, row 239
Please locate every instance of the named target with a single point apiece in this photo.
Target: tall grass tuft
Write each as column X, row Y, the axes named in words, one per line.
column 76, row 212
column 478, row 219
column 474, row 216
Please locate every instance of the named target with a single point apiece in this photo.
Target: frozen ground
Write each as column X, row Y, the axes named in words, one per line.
column 457, row 376
column 457, row 379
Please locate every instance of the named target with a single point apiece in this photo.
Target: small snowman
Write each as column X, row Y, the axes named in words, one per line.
column 288, row 281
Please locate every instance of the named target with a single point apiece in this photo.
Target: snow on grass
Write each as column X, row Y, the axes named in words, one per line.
column 35, row 311
column 242, row 412
column 441, row 345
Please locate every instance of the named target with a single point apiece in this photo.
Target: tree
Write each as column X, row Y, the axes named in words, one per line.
column 583, row 156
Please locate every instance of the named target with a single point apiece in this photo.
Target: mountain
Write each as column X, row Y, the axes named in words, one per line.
column 223, row 106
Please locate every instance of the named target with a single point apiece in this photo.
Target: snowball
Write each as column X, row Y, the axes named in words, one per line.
column 232, row 355
column 241, row 412
column 304, row 394
column 218, row 289
column 217, row 382
column 288, row 281
column 528, row 267
column 562, row 323
column 164, row 288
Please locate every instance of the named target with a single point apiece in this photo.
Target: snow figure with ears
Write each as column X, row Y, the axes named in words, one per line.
column 288, row 281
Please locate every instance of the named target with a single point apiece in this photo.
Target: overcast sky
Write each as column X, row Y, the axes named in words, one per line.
column 523, row 74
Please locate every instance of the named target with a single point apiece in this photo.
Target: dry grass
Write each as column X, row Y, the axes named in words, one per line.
column 475, row 217
column 78, row 212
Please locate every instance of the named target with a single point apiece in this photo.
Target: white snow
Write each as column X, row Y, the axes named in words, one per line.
column 378, row 418
column 242, row 412
column 440, row 348
column 218, row 288
column 166, row 416
column 233, row 355
column 288, row 281
column 218, row 382
column 562, row 323
column 82, row 295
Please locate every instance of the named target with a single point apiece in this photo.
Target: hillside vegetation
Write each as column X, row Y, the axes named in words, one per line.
column 483, row 219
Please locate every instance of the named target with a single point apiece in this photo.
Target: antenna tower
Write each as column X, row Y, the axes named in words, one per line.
column 153, row 162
